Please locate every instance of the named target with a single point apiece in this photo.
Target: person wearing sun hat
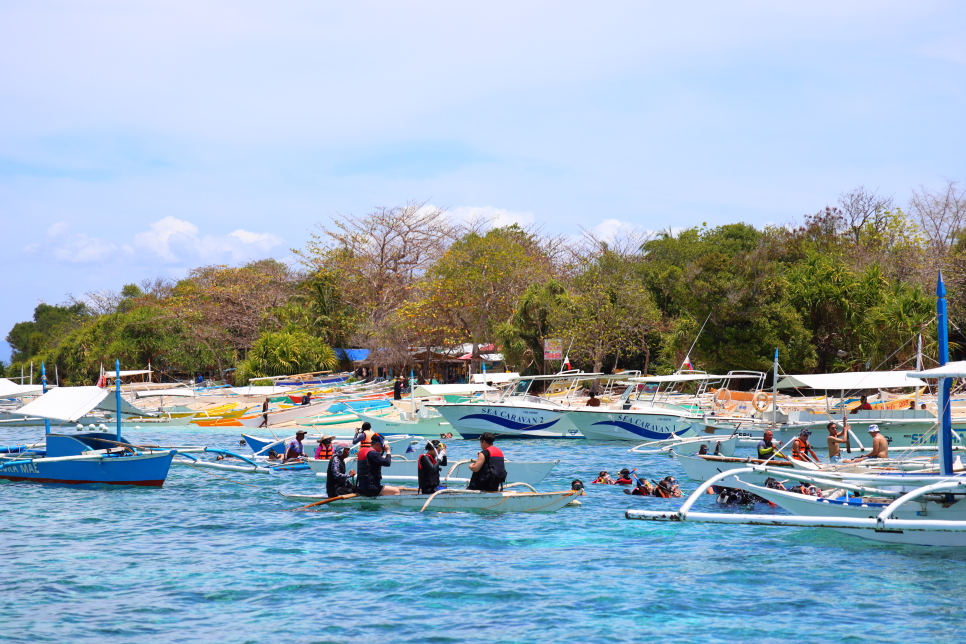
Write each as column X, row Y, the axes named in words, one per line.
column 880, row 446
column 324, row 450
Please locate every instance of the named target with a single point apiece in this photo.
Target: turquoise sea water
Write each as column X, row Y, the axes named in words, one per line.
column 206, row 559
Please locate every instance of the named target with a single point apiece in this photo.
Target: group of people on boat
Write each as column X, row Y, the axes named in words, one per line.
column 802, row 450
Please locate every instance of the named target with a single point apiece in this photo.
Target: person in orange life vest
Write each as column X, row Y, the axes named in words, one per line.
column 427, row 468
column 624, row 478
column 371, row 461
column 294, row 450
column 364, row 436
column 489, row 470
column 801, row 450
column 324, row 450
column 604, row 478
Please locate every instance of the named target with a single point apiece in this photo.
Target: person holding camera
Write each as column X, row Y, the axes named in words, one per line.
column 427, row 468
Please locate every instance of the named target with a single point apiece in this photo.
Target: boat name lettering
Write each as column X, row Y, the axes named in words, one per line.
column 23, row 468
column 636, row 420
column 517, row 416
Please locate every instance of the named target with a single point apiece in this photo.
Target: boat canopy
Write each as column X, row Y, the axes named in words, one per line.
column 181, row 392
column 948, row 370
column 10, row 389
column 851, row 380
column 125, row 374
column 494, row 377
column 677, row 377
column 261, row 390
column 71, row 403
column 450, row 390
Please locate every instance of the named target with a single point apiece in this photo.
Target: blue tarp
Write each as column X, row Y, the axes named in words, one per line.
column 352, row 354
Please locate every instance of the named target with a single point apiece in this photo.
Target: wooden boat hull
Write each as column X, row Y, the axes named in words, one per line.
column 455, row 502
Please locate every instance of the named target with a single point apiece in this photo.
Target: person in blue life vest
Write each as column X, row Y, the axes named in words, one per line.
column 371, row 461
column 489, row 469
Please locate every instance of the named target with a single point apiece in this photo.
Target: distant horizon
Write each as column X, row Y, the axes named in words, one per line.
column 142, row 141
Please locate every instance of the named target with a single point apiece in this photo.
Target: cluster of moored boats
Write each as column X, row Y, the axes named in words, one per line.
column 912, row 497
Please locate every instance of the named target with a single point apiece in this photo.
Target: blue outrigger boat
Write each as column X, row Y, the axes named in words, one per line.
column 81, row 458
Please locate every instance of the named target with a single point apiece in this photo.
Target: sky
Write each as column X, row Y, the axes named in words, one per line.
column 142, row 139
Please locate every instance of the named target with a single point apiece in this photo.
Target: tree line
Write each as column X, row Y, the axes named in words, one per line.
column 847, row 288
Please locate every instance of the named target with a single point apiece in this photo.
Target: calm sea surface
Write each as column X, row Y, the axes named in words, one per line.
column 207, row 559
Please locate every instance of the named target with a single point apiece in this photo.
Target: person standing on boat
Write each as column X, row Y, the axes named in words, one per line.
column 767, row 448
column 397, row 388
column 337, row 479
column 880, row 446
column 836, row 438
column 294, row 450
column 371, row 461
column 427, row 468
column 489, row 470
column 801, row 449
column 264, row 414
column 364, row 436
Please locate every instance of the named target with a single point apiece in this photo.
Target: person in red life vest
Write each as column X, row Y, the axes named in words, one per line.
column 363, row 436
column 489, row 470
column 324, row 450
column 624, row 478
column 371, row 461
column 427, row 468
column 337, row 479
column 604, row 478
column 294, row 450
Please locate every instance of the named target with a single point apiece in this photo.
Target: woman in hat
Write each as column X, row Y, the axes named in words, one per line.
column 324, row 450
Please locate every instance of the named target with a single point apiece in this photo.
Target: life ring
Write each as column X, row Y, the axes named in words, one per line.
column 722, row 396
column 760, row 401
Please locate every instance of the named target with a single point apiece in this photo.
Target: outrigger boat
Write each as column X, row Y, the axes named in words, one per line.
column 897, row 507
column 404, row 469
column 450, row 500
column 81, row 458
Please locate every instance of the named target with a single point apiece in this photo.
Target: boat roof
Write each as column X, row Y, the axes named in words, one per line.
column 851, row 380
column 10, row 389
column 676, row 377
column 566, row 375
column 259, row 390
column 71, row 403
column 178, row 392
column 495, row 377
column 450, row 390
column 124, row 374
column 948, row 370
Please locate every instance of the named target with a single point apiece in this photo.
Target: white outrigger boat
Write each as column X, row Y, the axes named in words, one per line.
column 418, row 415
column 450, row 500
column 909, row 508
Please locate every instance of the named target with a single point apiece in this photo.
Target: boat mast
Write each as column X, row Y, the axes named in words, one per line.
column 43, row 382
column 774, row 391
column 117, row 396
column 945, row 384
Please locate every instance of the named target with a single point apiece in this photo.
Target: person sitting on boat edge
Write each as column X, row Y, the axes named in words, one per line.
column 324, row 450
column 880, row 446
column 307, row 398
column 624, row 478
column 294, row 450
column 834, row 439
column 489, row 470
column 337, row 479
column 766, row 448
column 604, row 478
column 364, row 436
column 863, row 405
column 371, row 461
column 427, row 467
column 593, row 401
column 801, row 449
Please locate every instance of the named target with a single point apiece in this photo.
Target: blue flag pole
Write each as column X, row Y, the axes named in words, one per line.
column 43, row 382
column 117, row 395
column 945, row 384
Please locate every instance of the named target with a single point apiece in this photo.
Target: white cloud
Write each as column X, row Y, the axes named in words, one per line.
column 608, row 229
column 82, row 249
column 163, row 233
column 496, row 216
column 58, row 229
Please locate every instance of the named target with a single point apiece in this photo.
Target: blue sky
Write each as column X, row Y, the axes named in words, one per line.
column 143, row 139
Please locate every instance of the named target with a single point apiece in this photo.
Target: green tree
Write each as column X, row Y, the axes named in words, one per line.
column 284, row 353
